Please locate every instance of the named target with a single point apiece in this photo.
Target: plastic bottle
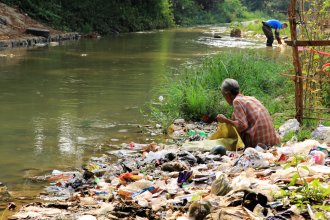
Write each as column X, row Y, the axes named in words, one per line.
column 191, row 133
column 202, row 133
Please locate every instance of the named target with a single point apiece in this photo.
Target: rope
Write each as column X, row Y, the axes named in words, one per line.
column 325, row 66
column 317, row 51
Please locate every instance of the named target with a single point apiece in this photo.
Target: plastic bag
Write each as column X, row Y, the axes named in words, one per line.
column 228, row 131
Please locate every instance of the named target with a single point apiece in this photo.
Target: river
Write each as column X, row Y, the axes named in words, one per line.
column 61, row 105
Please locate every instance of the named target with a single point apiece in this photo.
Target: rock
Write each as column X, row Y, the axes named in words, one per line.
column 236, row 32
column 217, row 36
column 53, row 44
column 4, row 194
column 3, row 21
column 218, row 150
column 174, row 166
column 199, row 210
column 5, row 43
column 186, row 156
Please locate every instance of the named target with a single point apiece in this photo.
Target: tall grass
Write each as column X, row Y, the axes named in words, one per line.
column 194, row 92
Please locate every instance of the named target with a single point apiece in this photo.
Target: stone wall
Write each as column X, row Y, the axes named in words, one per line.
column 32, row 41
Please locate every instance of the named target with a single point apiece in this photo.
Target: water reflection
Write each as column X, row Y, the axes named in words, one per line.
column 65, row 142
column 39, row 135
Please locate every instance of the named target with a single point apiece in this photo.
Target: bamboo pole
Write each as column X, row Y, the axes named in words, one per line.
column 296, row 62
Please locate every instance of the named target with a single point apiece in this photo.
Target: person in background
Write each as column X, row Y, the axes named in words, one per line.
column 267, row 27
column 251, row 119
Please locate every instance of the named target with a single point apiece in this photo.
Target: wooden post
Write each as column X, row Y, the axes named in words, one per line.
column 296, row 62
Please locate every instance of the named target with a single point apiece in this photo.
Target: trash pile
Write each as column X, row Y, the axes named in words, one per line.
column 164, row 181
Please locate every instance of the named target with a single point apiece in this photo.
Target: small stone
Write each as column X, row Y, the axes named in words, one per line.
column 221, row 150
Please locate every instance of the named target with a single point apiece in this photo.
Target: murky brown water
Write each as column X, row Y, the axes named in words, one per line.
column 59, row 105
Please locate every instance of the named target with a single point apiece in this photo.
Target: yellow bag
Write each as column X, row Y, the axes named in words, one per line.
column 228, row 131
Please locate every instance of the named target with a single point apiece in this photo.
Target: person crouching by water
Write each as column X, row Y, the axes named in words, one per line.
column 267, row 27
column 251, row 119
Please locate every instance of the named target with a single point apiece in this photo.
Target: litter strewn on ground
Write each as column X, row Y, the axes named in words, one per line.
column 178, row 180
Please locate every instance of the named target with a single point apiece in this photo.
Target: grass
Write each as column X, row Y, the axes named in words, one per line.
column 194, row 92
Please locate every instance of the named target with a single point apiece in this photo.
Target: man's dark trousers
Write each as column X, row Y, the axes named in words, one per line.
column 269, row 34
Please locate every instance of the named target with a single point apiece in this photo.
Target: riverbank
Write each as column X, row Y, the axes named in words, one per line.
column 15, row 30
column 186, row 179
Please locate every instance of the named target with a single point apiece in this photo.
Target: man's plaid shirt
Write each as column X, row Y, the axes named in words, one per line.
column 251, row 118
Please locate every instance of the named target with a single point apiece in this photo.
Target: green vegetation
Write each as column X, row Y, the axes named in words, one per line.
column 195, row 92
column 315, row 192
column 101, row 16
column 115, row 16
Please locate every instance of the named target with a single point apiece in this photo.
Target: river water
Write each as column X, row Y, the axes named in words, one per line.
column 61, row 105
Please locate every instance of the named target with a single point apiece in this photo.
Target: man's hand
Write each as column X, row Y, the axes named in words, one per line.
column 279, row 41
column 221, row 118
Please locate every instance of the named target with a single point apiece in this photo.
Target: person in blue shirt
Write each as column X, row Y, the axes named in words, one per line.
column 267, row 27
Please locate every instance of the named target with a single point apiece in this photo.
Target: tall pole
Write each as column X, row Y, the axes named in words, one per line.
column 296, row 62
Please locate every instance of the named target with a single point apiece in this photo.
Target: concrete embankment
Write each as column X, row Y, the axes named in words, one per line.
column 37, row 40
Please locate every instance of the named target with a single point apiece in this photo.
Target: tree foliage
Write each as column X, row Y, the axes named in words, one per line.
column 133, row 15
column 99, row 15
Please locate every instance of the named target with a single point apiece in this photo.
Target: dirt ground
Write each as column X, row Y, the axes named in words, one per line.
column 16, row 23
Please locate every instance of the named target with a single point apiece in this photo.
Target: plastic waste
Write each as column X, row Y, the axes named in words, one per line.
column 299, row 148
column 197, row 135
column 323, row 149
column 250, row 158
column 157, row 155
column 57, row 172
column 87, row 217
column 129, row 177
column 150, row 189
column 184, row 177
column 192, row 133
column 136, row 146
column 134, row 187
column 321, row 132
column 289, row 125
column 226, row 131
column 220, row 186
column 318, row 157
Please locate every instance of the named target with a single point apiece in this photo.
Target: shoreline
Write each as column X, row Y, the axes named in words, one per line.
column 33, row 41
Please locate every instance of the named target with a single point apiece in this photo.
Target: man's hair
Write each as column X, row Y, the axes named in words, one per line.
column 284, row 25
column 230, row 86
